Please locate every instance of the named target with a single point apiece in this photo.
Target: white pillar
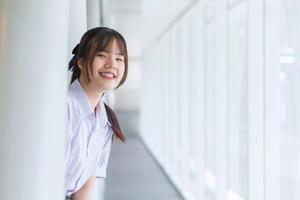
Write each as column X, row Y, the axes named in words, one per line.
column 93, row 13
column 33, row 58
column 77, row 22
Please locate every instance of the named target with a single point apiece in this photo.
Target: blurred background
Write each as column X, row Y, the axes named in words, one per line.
column 211, row 106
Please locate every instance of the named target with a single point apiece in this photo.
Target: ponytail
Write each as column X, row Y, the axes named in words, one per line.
column 112, row 118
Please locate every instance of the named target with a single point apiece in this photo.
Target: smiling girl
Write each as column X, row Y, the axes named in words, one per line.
column 99, row 64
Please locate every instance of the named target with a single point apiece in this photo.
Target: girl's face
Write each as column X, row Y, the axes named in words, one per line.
column 108, row 67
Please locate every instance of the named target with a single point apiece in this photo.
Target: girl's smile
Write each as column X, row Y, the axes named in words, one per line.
column 107, row 75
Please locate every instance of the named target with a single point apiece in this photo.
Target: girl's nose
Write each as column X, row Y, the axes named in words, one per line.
column 111, row 63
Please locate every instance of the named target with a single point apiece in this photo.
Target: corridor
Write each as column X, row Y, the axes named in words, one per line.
column 133, row 174
column 210, row 106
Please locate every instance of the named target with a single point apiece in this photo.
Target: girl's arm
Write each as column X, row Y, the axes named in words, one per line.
column 85, row 191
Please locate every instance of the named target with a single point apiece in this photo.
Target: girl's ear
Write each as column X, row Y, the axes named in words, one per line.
column 79, row 62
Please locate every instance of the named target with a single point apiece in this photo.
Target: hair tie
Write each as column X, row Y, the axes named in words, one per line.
column 75, row 50
column 72, row 65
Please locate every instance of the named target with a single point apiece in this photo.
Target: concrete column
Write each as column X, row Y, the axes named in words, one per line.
column 93, row 13
column 77, row 22
column 33, row 63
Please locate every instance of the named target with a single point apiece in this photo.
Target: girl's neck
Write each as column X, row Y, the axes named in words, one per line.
column 93, row 93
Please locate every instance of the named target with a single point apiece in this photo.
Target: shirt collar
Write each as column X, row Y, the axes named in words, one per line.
column 85, row 108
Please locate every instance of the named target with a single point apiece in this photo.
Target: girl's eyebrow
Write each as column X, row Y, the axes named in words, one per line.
column 106, row 51
column 102, row 51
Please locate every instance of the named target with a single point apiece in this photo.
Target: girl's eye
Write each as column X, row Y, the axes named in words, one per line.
column 120, row 59
column 101, row 55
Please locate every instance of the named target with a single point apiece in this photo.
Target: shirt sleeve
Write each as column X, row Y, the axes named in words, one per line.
column 100, row 170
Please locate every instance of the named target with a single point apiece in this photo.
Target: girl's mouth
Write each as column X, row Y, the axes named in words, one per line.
column 107, row 75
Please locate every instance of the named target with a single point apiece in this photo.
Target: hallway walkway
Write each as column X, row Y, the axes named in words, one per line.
column 133, row 174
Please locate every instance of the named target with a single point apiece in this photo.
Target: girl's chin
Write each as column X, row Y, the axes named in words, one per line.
column 107, row 87
column 105, row 84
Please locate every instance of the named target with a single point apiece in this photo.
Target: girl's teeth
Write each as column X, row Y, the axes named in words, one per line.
column 107, row 74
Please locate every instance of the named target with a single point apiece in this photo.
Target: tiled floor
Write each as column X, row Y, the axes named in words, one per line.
column 132, row 174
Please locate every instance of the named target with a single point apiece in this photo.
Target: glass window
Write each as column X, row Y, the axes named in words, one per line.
column 290, row 99
column 210, row 111
column 194, row 44
column 237, row 102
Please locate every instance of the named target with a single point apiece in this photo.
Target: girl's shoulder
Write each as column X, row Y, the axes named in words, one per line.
column 71, row 102
column 72, row 110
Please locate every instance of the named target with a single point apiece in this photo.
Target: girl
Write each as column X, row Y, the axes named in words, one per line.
column 100, row 63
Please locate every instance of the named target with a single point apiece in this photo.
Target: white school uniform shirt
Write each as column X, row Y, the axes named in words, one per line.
column 88, row 139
